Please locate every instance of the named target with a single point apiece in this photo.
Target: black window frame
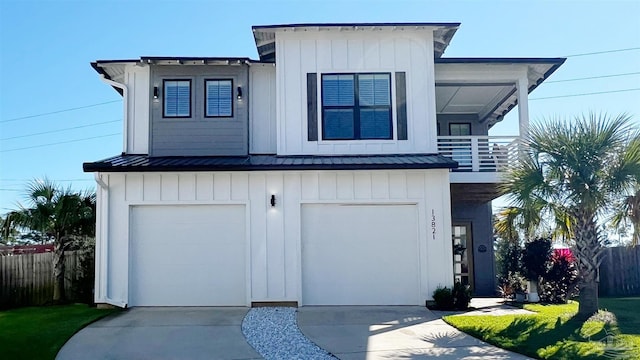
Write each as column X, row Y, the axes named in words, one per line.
column 460, row 123
column 357, row 107
column 205, row 98
column 164, row 99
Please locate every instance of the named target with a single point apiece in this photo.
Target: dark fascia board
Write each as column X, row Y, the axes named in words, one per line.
column 439, row 24
column 101, row 71
column 474, row 60
column 195, row 58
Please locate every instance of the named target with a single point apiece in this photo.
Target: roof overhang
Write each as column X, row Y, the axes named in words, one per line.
column 145, row 163
column 486, row 87
column 115, row 69
column 265, row 35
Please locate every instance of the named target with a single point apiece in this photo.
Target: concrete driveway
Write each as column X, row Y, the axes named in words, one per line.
column 391, row 332
column 348, row 332
column 162, row 334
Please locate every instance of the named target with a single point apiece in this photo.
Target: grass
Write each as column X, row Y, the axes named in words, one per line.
column 39, row 332
column 553, row 333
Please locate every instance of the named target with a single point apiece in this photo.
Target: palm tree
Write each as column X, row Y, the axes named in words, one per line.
column 574, row 173
column 59, row 215
column 629, row 213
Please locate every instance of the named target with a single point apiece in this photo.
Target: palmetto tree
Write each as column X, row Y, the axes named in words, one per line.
column 574, row 173
column 58, row 214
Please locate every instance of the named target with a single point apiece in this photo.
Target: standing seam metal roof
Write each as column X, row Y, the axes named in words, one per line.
column 143, row 163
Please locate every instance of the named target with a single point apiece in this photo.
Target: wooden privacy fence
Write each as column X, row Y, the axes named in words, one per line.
column 620, row 272
column 27, row 279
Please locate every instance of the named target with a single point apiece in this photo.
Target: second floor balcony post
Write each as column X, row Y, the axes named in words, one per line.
column 522, row 86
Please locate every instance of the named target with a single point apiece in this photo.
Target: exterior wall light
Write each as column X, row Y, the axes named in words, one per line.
column 239, row 91
column 273, row 200
column 156, row 93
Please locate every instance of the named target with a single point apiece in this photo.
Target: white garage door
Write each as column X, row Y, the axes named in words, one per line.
column 187, row 256
column 360, row 255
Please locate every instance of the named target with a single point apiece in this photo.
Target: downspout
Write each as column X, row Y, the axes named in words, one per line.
column 103, row 212
column 125, row 119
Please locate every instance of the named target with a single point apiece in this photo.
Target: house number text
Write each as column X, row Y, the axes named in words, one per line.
column 433, row 223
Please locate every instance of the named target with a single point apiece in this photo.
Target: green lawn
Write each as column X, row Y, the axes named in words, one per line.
column 39, row 332
column 552, row 333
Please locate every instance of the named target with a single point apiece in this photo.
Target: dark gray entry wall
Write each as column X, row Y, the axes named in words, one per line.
column 479, row 215
column 198, row 135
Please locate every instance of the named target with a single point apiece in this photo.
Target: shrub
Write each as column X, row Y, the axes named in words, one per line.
column 511, row 284
column 461, row 296
column 443, row 297
column 559, row 282
column 509, row 268
column 535, row 258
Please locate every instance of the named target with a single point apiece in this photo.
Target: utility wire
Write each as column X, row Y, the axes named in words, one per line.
column 59, row 130
column 591, row 77
column 114, row 101
column 58, row 143
column 584, row 94
column 602, row 52
column 59, row 111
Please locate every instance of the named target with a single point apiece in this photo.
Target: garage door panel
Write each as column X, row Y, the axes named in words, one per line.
column 360, row 255
column 188, row 255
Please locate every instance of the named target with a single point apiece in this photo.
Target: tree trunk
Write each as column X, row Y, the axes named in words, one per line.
column 58, row 272
column 588, row 251
column 588, row 300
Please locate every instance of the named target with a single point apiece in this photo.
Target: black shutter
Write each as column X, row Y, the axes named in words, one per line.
column 401, row 105
column 312, row 107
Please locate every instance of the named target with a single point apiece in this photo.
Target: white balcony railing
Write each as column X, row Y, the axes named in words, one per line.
column 480, row 153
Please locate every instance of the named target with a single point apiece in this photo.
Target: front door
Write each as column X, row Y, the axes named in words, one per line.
column 462, row 253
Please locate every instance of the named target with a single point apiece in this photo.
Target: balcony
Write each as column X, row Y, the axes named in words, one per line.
column 482, row 161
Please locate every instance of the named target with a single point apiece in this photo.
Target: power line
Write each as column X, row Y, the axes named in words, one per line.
column 584, row 94
column 58, row 111
column 592, row 77
column 61, row 142
column 59, row 130
column 603, row 52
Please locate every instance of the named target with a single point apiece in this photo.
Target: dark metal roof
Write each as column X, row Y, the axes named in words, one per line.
column 474, row 60
column 142, row 163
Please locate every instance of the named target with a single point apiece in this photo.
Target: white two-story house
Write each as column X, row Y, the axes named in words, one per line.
column 349, row 165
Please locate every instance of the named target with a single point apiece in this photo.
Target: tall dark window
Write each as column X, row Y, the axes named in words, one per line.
column 356, row 106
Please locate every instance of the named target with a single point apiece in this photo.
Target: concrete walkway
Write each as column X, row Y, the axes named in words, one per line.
column 394, row 332
column 162, row 334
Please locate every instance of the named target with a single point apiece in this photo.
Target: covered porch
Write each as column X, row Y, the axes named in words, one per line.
column 473, row 95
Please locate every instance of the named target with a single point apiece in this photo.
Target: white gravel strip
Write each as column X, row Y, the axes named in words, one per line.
column 274, row 333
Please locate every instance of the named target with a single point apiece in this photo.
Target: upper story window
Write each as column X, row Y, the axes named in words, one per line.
column 177, row 98
column 356, row 106
column 460, row 129
column 218, row 98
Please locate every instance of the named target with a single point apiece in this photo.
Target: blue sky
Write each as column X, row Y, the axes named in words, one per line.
column 46, row 48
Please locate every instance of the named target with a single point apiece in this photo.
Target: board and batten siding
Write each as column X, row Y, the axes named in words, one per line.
column 273, row 233
column 262, row 108
column 136, row 79
column 408, row 51
column 199, row 135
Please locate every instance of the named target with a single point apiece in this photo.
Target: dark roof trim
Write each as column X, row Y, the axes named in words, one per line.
column 101, row 71
column 558, row 61
column 265, row 27
column 146, row 59
column 144, row 163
